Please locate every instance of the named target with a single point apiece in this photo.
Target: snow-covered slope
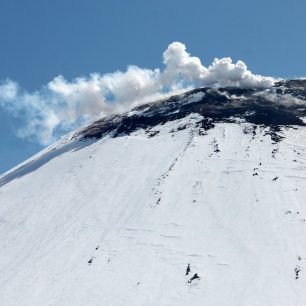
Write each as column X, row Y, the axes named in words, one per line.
column 122, row 218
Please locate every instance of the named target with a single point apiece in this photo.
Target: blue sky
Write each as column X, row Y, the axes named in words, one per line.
column 41, row 39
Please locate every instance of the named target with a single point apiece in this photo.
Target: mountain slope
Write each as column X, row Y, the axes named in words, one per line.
column 121, row 211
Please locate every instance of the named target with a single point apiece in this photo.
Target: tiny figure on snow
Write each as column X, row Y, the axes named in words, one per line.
column 196, row 276
column 188, row 269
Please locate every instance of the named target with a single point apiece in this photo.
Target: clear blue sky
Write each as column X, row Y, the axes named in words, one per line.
column 41, row 39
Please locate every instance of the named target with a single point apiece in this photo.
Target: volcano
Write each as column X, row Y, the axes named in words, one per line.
column 197, row 199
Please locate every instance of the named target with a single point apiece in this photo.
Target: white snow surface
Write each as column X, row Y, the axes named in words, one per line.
column 116, row 221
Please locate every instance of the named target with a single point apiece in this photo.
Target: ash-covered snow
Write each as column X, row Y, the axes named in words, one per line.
column 118, row 216
column 277, row 106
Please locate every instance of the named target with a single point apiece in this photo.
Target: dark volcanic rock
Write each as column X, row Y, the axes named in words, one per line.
column 268, row 107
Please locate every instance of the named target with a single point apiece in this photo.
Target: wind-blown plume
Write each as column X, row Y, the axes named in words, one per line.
column 61, row 106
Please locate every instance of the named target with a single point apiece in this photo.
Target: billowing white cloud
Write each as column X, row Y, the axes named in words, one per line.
column 8, row 91
column 181, row 68
column 61, row 106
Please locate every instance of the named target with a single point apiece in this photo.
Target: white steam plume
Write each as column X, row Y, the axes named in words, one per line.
column 60, row 105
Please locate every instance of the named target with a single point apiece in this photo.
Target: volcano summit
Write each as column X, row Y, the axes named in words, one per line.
column 197, row 199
